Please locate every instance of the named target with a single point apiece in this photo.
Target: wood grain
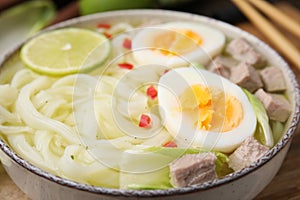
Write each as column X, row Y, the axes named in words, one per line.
column 286, row 184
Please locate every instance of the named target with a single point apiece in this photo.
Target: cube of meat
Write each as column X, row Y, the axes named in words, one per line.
column 249, row 151
column 241, row 50
column 246, row 76
column 277, row 107
column 273, row 79
column 221, row 65
column 193, row 169
column 228, row 62
column 219, row 69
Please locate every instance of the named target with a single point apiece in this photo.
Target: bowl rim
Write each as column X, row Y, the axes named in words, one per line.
column 173, row 191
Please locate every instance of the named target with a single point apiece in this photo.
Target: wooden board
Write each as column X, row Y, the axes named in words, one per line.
column 286, row 184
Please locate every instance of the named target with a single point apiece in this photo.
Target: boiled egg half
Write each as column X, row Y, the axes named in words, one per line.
column 203, row 110
column 176, row 44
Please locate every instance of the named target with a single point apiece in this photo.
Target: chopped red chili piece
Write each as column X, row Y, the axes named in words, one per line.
column 152, row 92
column 166, row 71
column 145, row 121
column 109, row 36
column 125, row 65
column 170, row 144
column 127, row 43
column 106, row 26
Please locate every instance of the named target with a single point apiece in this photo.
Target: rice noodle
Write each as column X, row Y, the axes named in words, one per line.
column 35, row 119
column 78, row 126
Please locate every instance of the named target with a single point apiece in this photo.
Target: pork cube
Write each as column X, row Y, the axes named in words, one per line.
column 193, row 169
column 228, row 62
column 246, row 76
column 241, row 50
column 273, row 79
column 221, row 65
column 219, row 69
column 249, row 151
column 277, row 107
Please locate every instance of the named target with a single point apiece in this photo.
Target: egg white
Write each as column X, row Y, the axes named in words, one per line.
column 213, row 41
column 181, row 125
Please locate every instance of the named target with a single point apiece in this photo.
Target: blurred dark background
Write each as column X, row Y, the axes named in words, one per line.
column 220, row 9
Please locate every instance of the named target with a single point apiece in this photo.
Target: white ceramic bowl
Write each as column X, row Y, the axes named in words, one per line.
column 244, row 184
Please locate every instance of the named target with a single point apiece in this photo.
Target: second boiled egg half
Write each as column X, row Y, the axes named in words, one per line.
column 176, row 44
column 203, row 110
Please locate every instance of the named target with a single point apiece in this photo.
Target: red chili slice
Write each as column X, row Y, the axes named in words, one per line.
column 145, row 121
column 170, row 144
column 126, row 65
column 152, row 92
column 166, row 71
column 106, row 26
column 127, row 43
column 109, row 36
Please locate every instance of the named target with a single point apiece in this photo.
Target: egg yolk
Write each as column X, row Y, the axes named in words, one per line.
column 215, row 110
column 176, row 42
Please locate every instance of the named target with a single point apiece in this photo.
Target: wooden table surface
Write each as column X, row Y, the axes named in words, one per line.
column 285, row 185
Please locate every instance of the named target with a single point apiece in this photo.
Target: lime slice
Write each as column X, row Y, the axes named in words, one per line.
column 66, row 51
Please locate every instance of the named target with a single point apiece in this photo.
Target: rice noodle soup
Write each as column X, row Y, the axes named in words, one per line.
column 141, row 106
